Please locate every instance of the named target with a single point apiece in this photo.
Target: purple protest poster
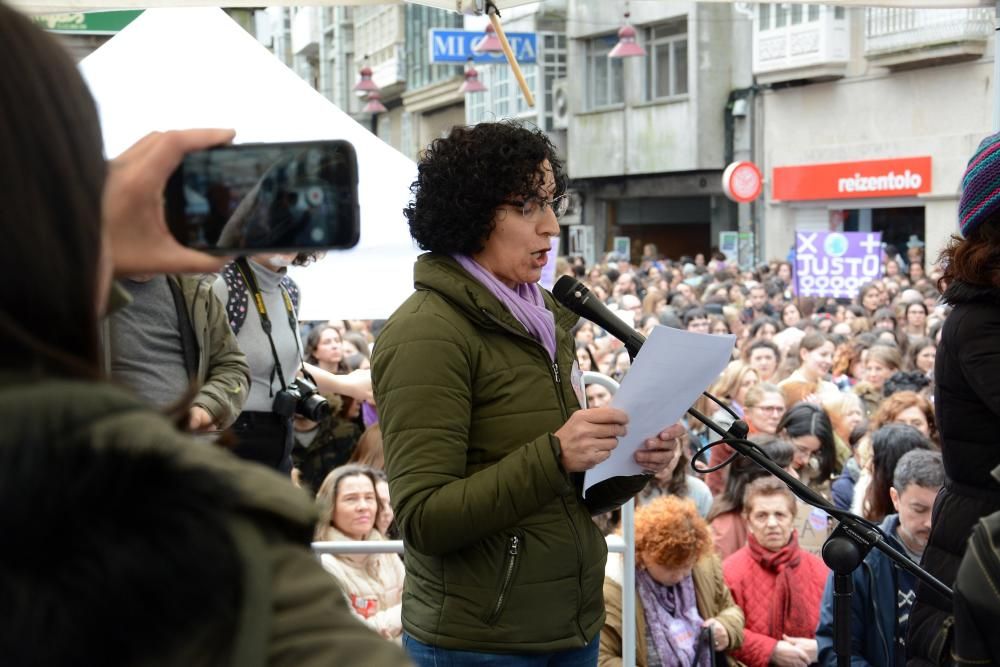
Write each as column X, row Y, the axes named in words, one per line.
column 836, row 263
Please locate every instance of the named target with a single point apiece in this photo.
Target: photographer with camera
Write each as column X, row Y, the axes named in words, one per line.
column 270, row 341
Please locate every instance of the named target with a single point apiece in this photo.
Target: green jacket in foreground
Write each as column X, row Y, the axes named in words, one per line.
column 501, row 552
column 293, row 612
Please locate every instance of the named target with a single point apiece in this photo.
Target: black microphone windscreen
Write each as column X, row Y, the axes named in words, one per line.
column 564, row 288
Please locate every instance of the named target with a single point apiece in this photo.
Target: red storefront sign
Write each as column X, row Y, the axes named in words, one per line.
column 897, row 177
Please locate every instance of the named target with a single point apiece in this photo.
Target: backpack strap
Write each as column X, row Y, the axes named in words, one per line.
column 189, row 343
column 293, row 291
column 239, row 297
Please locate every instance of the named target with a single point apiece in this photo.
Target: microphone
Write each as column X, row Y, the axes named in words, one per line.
column 573, row 294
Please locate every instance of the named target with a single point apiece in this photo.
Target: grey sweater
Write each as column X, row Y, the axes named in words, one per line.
column 264, row 384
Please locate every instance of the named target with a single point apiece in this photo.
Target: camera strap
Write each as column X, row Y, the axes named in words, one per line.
column 265, row 322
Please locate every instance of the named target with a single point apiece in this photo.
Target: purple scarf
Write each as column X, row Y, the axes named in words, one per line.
column 672, row 619
column 524, row 302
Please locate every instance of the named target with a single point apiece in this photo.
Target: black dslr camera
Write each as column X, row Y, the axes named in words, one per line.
column 301, row 398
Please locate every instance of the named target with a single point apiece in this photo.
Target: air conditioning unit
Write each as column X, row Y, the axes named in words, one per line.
column 560, row 104
column 572, row 215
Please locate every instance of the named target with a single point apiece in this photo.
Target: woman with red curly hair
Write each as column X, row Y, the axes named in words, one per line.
column 684, row 609
column 907, row 407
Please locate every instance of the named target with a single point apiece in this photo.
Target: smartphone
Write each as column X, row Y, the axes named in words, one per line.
column 256, row 198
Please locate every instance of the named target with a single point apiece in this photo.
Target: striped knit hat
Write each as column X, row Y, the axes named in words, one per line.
column 980, row 186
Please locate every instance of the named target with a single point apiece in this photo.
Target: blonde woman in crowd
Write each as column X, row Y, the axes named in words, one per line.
column 732, row 386
column 764, row 406
column 846, row 413
column 349, row 509
column 881, row 362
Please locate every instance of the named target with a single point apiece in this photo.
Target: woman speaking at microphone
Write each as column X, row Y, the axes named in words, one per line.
column 485, row 442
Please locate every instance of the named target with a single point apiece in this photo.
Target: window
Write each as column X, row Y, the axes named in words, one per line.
column 553, row 59
column 419, row 22
column 796, row 11
column 765, row 16
column 407, row 143
column 667, row 60
column 605, row 80
column 813, row 13
column 385, row 128
column 502, row 97
column 838, row 12
column 780, row 15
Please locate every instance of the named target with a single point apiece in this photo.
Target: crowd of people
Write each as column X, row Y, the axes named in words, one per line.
column 836, row 391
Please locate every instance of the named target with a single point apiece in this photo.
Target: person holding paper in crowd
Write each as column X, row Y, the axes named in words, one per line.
column 485, row 444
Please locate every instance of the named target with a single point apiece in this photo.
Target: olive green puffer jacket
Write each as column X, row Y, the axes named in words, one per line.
column 501, row 552
column 293, row 613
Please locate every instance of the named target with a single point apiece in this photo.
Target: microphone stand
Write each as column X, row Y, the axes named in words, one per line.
column 844, row 549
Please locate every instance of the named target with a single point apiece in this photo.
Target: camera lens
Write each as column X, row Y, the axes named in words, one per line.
column 314, row 408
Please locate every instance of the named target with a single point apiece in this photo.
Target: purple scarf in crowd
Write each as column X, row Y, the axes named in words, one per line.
column 672, row 619
column 525, row 303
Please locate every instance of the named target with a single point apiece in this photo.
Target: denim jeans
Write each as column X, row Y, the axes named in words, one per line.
column 425, row 655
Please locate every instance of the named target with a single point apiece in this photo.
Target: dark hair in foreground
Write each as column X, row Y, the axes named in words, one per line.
column 114, row 556
column 808, row 419
column 53, row 167
column 974, row 260
column 889, row 444
column 463, row 178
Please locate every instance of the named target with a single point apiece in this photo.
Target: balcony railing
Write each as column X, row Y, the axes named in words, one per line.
column 907, row 37
column 785, row 48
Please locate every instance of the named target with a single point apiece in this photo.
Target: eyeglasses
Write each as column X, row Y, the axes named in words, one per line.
column 770, row 408
column 803, row 450
column 535, row 205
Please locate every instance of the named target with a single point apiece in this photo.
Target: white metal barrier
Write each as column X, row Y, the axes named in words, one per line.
column 623, row 544
column 627, row 546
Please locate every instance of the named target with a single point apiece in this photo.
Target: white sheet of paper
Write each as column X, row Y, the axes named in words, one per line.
column 672, row 369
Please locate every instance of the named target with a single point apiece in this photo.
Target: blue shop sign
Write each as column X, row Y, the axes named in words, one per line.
column 457, row 46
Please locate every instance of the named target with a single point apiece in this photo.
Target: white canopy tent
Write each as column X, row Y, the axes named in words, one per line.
column 182, row 68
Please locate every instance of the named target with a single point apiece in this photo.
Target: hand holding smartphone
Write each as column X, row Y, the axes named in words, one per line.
column 260, row 198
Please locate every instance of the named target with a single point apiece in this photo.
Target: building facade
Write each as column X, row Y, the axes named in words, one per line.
column 867, row 117
column 648, row 136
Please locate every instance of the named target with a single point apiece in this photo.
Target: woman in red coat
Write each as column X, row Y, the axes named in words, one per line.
column 777, row 584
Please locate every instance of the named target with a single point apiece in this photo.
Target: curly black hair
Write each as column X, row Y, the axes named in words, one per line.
column 463, row 178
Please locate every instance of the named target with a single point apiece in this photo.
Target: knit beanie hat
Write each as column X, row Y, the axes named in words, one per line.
column 980, row 186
